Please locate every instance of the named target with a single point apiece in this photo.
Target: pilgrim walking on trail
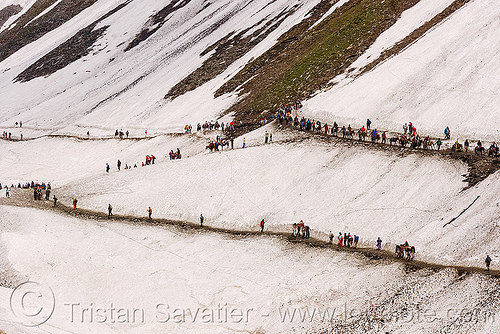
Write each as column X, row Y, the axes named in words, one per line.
column 487, row 261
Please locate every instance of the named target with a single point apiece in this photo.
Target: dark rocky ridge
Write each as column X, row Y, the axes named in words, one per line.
column 23, row 33
column 7, row 12
column 73, row 49
column 227, row 51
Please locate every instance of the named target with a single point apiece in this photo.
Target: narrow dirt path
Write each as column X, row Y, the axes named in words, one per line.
column 23, row 198
column 479, row 166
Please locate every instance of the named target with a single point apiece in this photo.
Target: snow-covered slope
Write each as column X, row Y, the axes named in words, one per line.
column 132, row 279
column 449, row 77
column 331, row 186
column 138, row 79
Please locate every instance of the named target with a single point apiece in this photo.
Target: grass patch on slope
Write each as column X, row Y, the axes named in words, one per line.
column 305, row 59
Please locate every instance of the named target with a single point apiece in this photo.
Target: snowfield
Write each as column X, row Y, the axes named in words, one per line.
column 136, row 80
column 332, row 186
column 156, row 279
column 426, row 84
column 448, row 77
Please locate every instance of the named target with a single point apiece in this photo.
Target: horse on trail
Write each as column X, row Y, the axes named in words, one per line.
column 405, row 249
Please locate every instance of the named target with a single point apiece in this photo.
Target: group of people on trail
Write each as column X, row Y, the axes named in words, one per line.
column 119, row 134
column 409, row 129
column 6, row 135
column 38, row 192
column 301, row 230
column 219, row 143
column 286, row 109
column 175, row 155
column 346, row 240
column 150, row 159
column 405, row 251
column 32, row 184
column 409, row 137
column 493, row 150
column 212, row 125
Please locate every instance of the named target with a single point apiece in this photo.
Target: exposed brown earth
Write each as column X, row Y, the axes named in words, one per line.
column 227, row 51
column 23, row 33
column 304, row 60
column 73, row 49
column 7, row 12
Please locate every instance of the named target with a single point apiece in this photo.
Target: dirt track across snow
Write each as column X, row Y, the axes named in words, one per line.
column 23, row 198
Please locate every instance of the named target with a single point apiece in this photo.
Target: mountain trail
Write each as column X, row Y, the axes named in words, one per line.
column 23, row 198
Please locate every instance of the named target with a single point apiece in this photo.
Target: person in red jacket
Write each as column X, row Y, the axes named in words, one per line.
column 74, row 203
column 300, row 227
column 262, row 222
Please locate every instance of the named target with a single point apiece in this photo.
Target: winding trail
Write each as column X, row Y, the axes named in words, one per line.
column 479, row 166
column 23, row 198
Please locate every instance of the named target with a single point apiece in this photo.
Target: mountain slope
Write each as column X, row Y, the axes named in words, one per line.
column 247, row 57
